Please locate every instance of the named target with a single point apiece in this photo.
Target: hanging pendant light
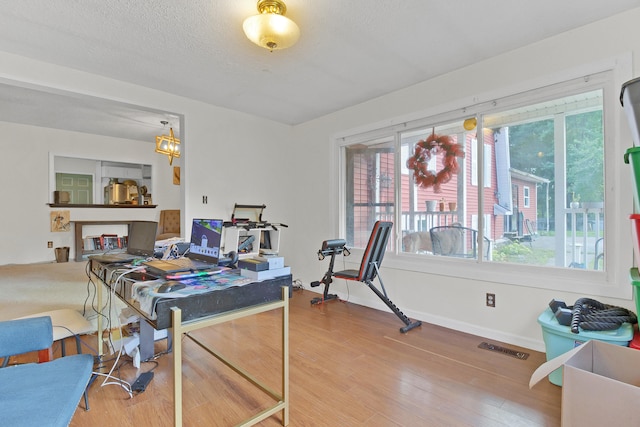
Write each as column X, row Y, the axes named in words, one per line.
column 271, row 29
column 168, row 144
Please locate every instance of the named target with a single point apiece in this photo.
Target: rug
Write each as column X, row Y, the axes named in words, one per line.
column 26, row 289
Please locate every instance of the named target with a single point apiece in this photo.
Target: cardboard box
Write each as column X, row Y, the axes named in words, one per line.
column 266, row 274
column 601, row 384
column 253, row 264
column 559, row 339
column 274, row 261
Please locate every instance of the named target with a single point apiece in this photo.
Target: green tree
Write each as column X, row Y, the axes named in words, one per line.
column 531, row 146
column 532, row 150
column 585, row 156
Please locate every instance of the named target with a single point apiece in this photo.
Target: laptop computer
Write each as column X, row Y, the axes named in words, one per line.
column 203, row 252
column 140, row 244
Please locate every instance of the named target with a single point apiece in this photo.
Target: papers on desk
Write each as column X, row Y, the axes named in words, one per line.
column 164, row 244
column 146, row 292
column 215, row 282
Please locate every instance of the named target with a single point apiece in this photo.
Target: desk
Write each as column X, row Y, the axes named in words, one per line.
column 183, row 315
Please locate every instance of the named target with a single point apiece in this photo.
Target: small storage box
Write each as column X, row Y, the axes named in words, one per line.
column 559, row 339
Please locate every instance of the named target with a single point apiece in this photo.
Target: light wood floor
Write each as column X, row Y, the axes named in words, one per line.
column 349, row 366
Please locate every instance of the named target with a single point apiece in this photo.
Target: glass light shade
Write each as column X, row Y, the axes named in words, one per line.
column 470, row 124
column 169, row 145
column 271, row 31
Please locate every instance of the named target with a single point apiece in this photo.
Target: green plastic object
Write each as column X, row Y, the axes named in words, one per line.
column 632, row 157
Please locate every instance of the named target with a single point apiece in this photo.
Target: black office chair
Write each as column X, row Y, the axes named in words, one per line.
column 369, row 269
column 457, row 241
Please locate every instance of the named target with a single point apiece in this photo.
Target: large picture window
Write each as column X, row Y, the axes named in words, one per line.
column 370, row 188
column 539, row 157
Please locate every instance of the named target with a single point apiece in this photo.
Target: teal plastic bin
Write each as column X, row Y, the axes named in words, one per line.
column 559, row 339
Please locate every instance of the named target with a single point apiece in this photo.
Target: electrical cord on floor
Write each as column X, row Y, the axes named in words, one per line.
column 116, row 381
column 297, row 285
column 144, row 378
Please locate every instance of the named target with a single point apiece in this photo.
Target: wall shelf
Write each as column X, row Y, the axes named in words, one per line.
column 123, row 206
column 80, row 253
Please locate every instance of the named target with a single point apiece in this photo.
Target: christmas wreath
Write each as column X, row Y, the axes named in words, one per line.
column 423, row 152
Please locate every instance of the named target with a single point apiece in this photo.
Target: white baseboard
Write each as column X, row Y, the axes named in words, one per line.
column 445, row 322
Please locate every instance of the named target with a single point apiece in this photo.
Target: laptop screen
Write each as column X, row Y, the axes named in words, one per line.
column 142, row 238
column 205, row 240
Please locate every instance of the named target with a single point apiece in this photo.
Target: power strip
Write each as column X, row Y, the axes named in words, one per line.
column 141, row 383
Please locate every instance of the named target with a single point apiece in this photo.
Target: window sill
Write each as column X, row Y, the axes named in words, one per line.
column 583, row 282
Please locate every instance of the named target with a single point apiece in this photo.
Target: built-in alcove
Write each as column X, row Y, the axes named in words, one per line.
column 99, row 183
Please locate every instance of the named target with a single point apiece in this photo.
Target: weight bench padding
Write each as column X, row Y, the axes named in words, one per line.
column 347, row 274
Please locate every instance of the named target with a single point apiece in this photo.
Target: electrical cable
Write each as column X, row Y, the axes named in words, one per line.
column 121, row 272
column 297, row 285
column 122, row 383
column 77, row 337
column 93, row 300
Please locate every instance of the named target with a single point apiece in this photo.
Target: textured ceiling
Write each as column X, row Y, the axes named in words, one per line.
column 348, row 52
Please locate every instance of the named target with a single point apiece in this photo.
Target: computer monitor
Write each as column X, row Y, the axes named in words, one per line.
column 142, row 238
column 206, row 235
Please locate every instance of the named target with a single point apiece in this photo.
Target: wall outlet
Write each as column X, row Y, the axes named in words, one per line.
column 49, row 244
column 491, row 300
column 204, row 200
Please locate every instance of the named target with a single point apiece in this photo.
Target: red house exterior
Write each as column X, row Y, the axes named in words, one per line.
column 507, row 205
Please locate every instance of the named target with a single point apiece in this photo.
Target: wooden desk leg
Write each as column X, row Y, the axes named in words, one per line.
column 285, row 355
column 176, row 333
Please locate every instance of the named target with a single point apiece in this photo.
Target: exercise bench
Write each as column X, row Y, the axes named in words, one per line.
column 368, row 271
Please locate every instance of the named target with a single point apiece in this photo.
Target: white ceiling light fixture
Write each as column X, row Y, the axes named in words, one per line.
column 168, row 144
column 271, row 29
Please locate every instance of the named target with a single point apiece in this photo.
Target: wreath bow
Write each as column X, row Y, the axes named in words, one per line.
column 423, row 152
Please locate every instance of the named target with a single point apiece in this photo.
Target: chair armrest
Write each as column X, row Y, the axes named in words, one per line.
column 25, row 335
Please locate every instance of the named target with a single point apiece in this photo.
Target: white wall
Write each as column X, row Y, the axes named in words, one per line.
column 452, row 302
column 25, row 192
column 228, row 156
column 233, row 157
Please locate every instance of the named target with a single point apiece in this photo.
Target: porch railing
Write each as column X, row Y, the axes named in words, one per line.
column 577, row 242
column 589, row 222
column 425, row 221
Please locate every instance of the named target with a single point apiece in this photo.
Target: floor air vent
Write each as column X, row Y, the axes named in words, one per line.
column 492, row 347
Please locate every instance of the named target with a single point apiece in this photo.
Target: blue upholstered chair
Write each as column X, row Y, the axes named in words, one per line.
column 39, row 394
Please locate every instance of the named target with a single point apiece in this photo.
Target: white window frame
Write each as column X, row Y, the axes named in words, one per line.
column 488, row 155
column 613, row 282
column 526, row 196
